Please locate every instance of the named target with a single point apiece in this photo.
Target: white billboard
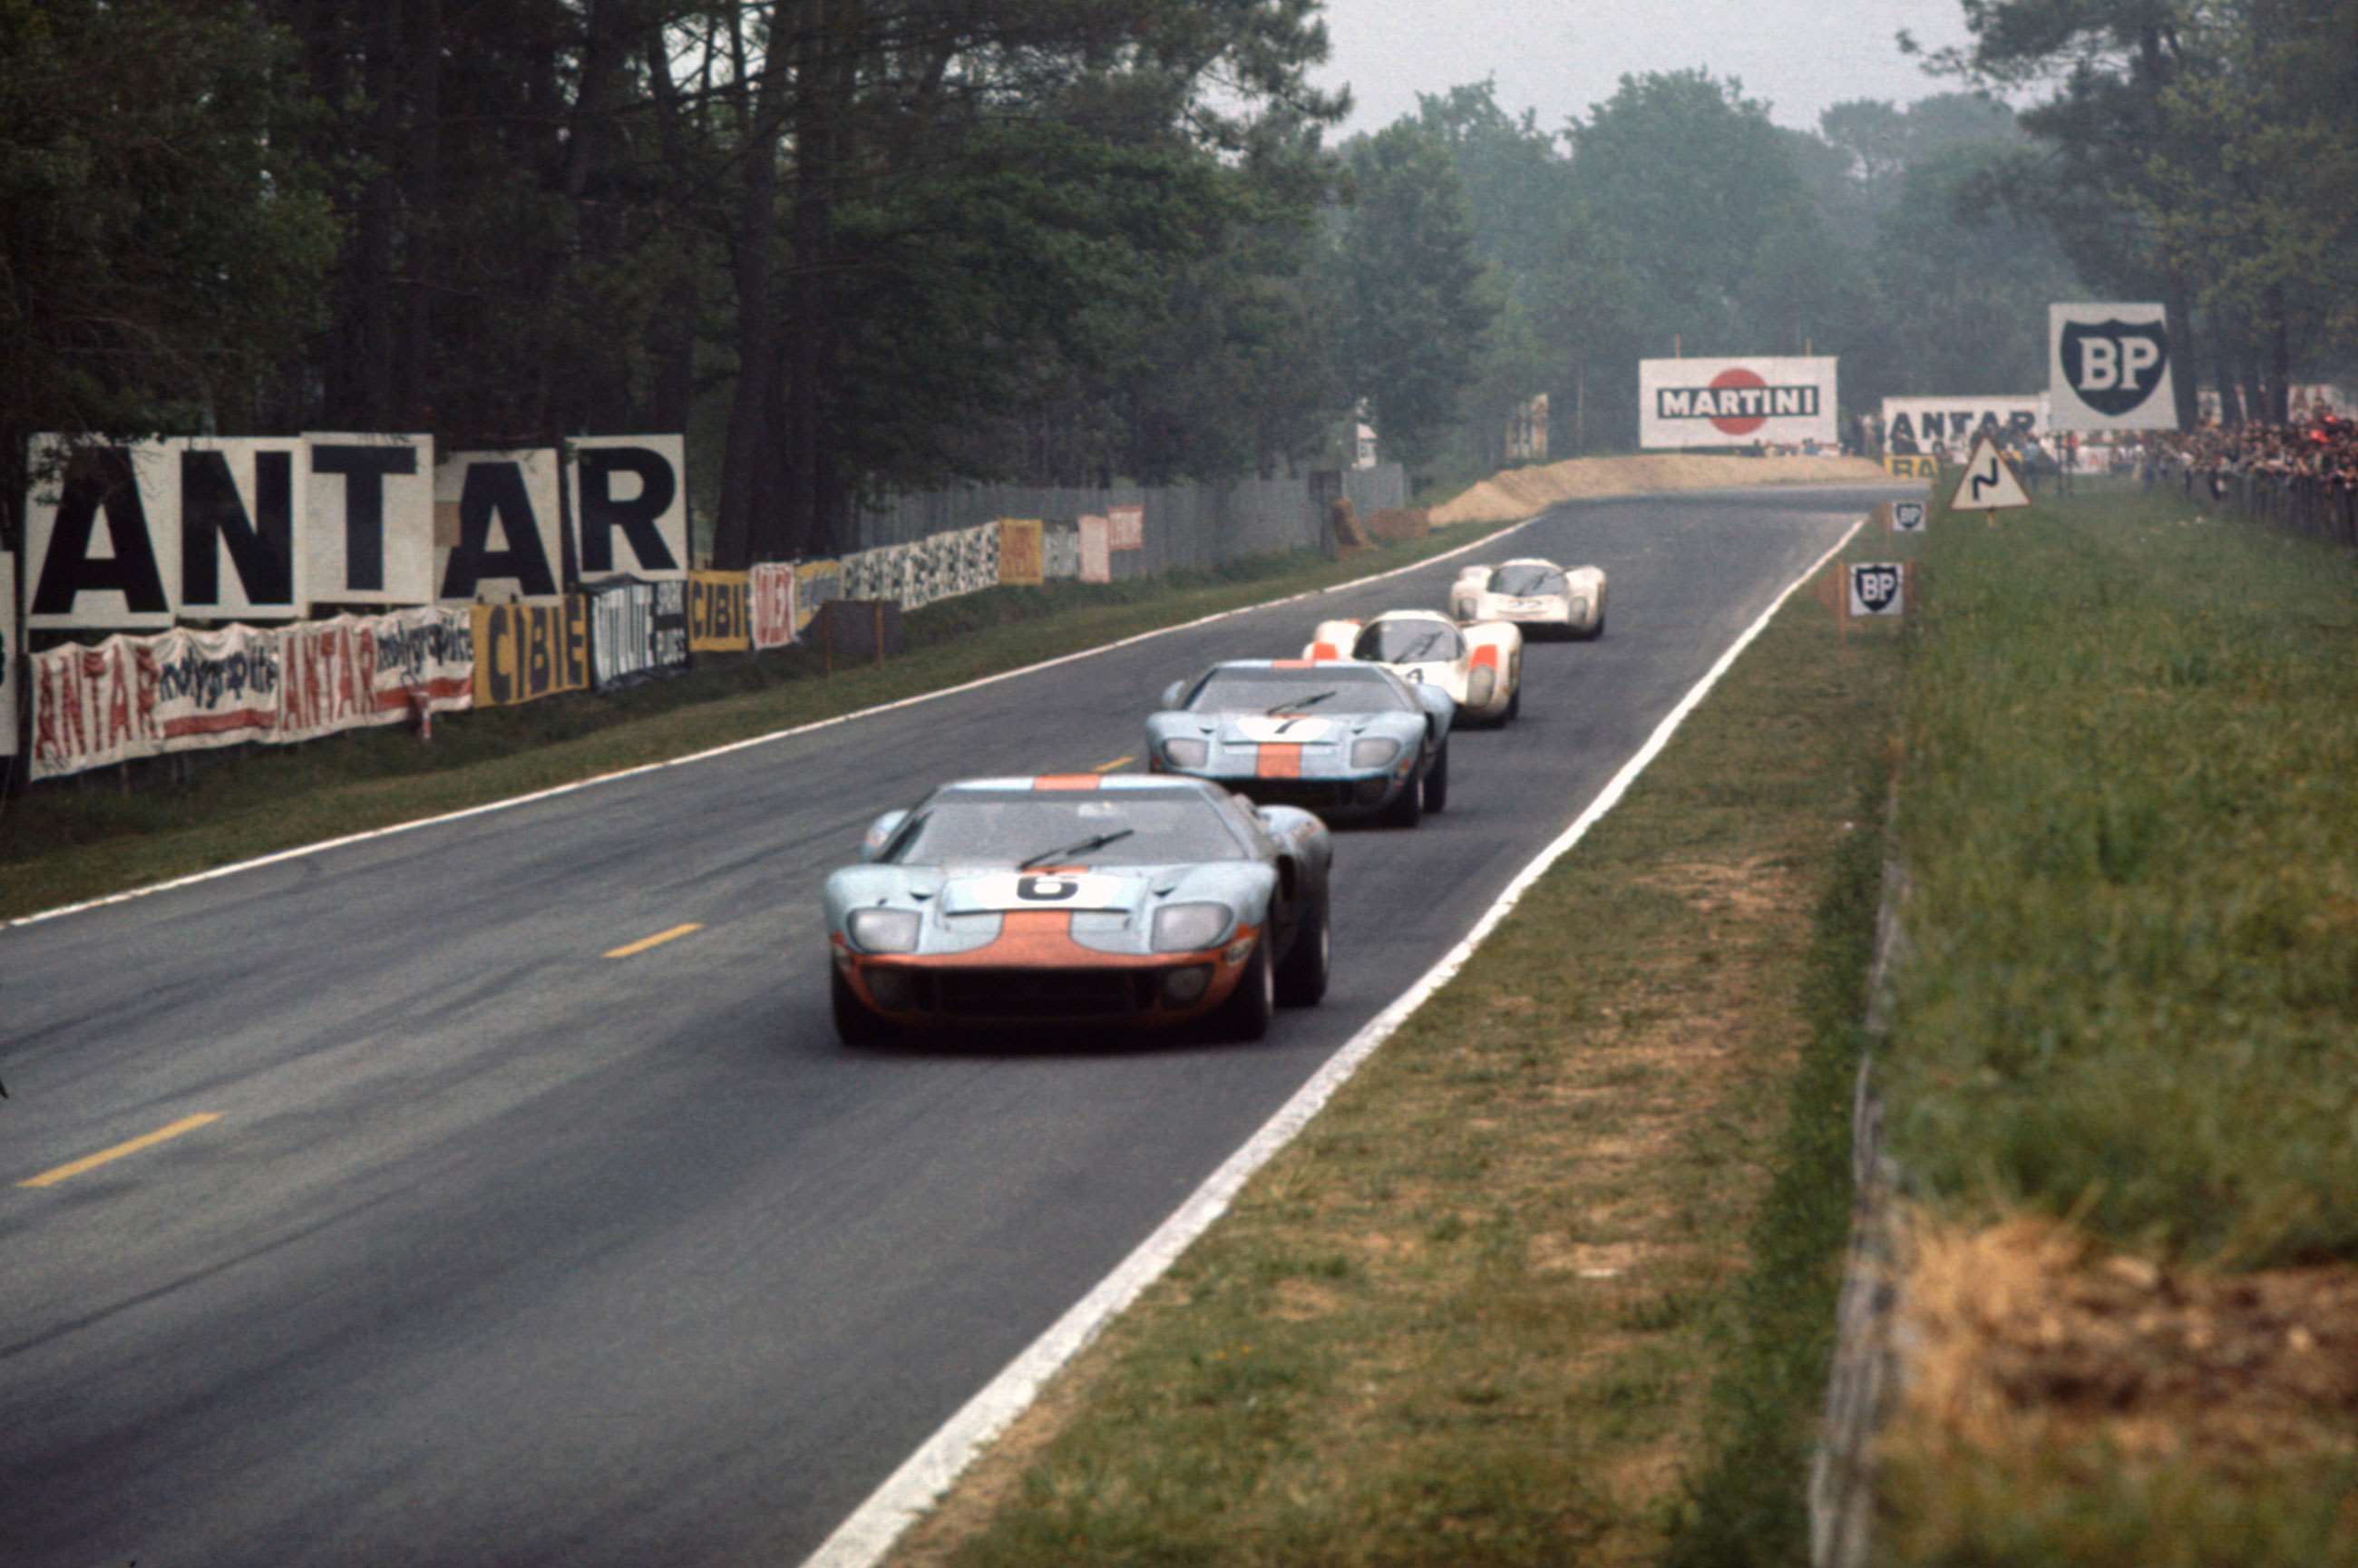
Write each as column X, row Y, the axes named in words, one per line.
column 369, row 520
column 1736, row 402
column 630, row 506
column 498, row 534
column 1913, row 426
column 2108, row 367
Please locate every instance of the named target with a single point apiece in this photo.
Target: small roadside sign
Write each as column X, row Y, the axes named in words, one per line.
column 1989, row 483
column 1877, row 588
column 1908, row 517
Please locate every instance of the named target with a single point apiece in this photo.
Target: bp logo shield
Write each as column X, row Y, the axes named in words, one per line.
column 1874, row 588
column 2113, row 366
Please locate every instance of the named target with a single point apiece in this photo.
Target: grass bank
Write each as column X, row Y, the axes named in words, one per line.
column 2124, row 1073
column 1504, row 1301
column 81, row 839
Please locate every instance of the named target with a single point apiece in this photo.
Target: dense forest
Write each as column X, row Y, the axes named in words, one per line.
column 859, row 245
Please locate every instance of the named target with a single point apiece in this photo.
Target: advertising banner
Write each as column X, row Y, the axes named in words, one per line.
column 1060, row 554
column 1736, row 402
column 498, row 535
column 213, row 688
column 92, row 706
column 11, row 677
column 877, row 573
column 1125, row 527
column 1097, row 545
column 1021, row 559
column 2108, row 367
column 1914, row 427
column 630, row 506
column 636, row 630
column 367, row 524
column 816, row 582
column 719, row 612
column 424, row 657
column 239, row 497
column 101, row 536
column 526, row 651
column 775, row 620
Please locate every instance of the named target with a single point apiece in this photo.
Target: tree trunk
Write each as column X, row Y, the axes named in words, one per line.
column 412, row 388
column 739, row 535
column 2279, row 357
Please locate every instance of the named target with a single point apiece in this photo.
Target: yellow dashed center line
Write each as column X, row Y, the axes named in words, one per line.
column 1108, row 767
column 91, row 1161
column 628, row 948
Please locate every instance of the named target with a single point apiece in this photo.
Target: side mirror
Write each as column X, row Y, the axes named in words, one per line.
column 1175, row 694
column 881, row 834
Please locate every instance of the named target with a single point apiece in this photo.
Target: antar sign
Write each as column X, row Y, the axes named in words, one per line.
column 2108, row 366
column 1719, row 403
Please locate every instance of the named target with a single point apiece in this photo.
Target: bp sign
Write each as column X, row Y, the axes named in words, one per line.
column 1907, row 516
column 1877, row 588
column 2109, row 367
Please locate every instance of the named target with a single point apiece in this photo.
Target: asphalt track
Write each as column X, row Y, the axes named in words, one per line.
column 504, row 1251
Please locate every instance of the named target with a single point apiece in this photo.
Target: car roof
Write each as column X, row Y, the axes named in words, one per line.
column 1411, row 615
column 1531, row 561
column 1060, row 784
column 1327, row 666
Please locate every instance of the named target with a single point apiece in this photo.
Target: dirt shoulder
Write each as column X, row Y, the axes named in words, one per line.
column 1521, row 493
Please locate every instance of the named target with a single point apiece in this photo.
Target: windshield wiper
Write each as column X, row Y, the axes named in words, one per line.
column 1277, row 707
column 1083, row 848
column 1419, row 647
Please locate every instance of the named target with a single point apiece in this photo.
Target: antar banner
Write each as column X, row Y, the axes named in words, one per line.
column 1730, row 402
column 187, row 690
column 630, row 506
column 498, row 534
column 2108, row 367
column 719, row 609
column 1913, row 426
column 775, row 620
column 367, row 525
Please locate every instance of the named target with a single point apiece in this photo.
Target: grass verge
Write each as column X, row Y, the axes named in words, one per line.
column 81, row 839
column 2124, row 1073
column 1475, row 1315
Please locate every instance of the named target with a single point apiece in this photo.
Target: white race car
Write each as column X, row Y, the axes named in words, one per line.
column 1480, row 666
column 1534, row 594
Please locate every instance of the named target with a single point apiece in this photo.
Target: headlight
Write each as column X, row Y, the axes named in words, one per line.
column 1185, row 753
column 882, row 930
column 1480, row 684
column 1374, row 752
column 1189, row 927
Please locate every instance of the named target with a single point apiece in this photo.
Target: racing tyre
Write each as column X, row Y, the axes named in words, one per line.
column 855, row 1024
column 1598, row 629
column 1437, row 781
column 1302, row 978
column 1245, row 1015
column 1514, row 705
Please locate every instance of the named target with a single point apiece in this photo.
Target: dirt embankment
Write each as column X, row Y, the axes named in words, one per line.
column 1521, row 493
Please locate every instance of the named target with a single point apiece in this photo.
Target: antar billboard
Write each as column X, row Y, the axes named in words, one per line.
column 1735, row 403
column 2108, row 367
column 1913, row 426
column 139, row 536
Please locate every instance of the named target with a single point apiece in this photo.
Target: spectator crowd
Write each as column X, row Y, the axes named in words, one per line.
column 2304, row 473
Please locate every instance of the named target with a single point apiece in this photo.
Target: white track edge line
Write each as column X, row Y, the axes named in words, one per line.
column 326, row 844
column 864, row 1538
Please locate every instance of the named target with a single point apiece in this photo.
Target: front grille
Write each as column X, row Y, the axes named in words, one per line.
column 1043, row 994
column 1314, row 794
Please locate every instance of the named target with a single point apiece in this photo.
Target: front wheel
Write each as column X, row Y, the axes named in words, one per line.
column 854, row 1023
column 1514, row 705
column 1407, row 808
column 1245, row 1015
column 1302, row 978
column 1437, row 781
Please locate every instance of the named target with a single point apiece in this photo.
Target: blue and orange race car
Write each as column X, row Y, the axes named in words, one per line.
column 1079, row 900
column 1340, row 738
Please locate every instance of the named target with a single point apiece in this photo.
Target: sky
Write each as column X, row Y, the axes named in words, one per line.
column 1558, row 57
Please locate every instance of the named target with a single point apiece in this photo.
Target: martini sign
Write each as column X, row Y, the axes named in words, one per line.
column 1735, row 403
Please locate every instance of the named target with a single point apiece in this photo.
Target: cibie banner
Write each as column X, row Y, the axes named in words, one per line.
column 2108, row 367
column 1736, row 402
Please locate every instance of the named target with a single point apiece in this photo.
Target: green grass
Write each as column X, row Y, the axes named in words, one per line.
column 2129, row 808
column 77, row 839
column 1474, row 1314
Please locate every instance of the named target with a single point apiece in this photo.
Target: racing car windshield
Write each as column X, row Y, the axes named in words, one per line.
column 1529, row 582
column 1066, row 827
column 1409, row 643
column 1268, row 689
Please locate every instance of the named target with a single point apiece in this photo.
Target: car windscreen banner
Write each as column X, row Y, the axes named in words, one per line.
column 1736, row 402
column 2108, row 367
column 1915, row 426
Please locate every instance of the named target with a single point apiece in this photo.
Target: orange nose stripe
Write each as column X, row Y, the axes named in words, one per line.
column 1486, row 657
column 1279, row 762
column 1066, row 781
